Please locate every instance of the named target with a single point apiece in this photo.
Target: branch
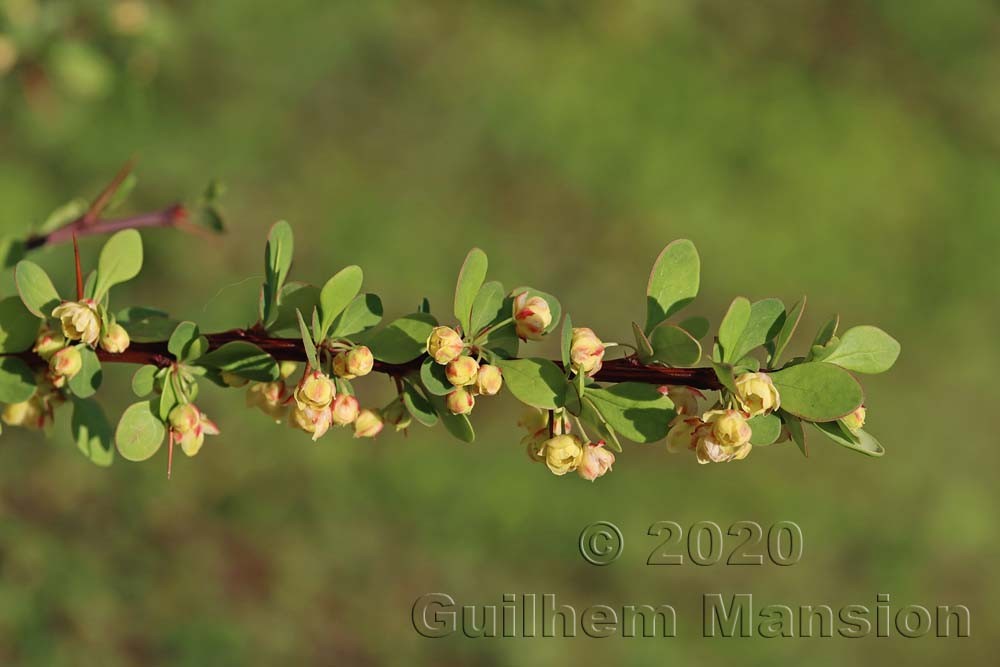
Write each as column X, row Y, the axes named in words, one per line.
column 172, row 216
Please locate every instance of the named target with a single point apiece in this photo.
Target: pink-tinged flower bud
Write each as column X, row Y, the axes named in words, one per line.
column 533, row 420
column 586, row 351
column 184, row 418
column 397, row 415
column 460, row 402
column 462, row 371
column 563, row 454
column 315, row 391
column 725, row 436
column 444, row 345
column 233, row 380
column 368, row 424
column 79, row 320
column 48, row 343
column 531, row 316
column 353, row 363
column 115, row 339
column 489, row 380
column 345, row 409
column 757, row 394
column 685, row 399
column 856, row 420
column 682, row 435
column 312, row 420
column 286, row 369
column 269, row 397
column 66, row 363
column 596, row 461
column 26, row 414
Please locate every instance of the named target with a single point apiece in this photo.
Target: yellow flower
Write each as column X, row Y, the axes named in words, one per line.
column 462, row 371
column 596, row 461
column 184, row 418
column 856, row 420
column 586, row 351
column 682, row 434
column 460, row 401
column 757, row 394
column 534, row 444
column 531, row 316
column 27, row 414
column 269, row 397
column 563, row 454
column 315, row 391
column 724, row 436
column 489, row 380
column 189, row 426
column 79, row 320
column 312, row 420
column 115, row 339
column 368, row 424
column 444, row 344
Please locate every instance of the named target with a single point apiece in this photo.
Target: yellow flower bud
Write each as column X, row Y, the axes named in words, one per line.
column 184, row 418
column 286, row 369
column 27, row 414
column 489, row 380
column 115, row 339
column 312, row 420
column 563, row 454
column 596, row 461
column 533, row 420
column 48, row 343
column 856, row 420
column 531, row 316
column 462, row 371
column 368, row 424
column 725, row 436
column 269, row 397
column 396, row 414
column 232, row 380
column 353, row 363
column 79, row 320
column 444, row 344
column 345, row 409
column 315, row 390
column 66, row 363
column 460, row 402
column 757, row 394
column 586, row 351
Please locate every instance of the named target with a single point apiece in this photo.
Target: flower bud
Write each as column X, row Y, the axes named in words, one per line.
column 725, row 436
column 462, row 371
column 345, row 409
column 184, row 418
column 27, row 414
column 533, row 420
column 460, row 402
column 115, row 339
column 189, row 426
column 685, row 399
column 269, row 397
column 444, row 345
column 368, row 424
column 48, row 343
column 396, row 414
column 856, row 420
column 563, row 454
column 360, row 361
column 596, row 461
column 489, row 380
column 531, row 316
column 757, row 394
column 683, row 433
column 312, row 420
column 79, row 320
column 66, row 363
column 315, row 390
column 534, row 444
column 586, row 351
column 233, row 380
column 286, row 369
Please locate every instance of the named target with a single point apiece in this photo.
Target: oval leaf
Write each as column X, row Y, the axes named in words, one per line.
column 817, row 391
column 864, row 349
column 635, row 410
column 734, row 323
column 277, row 263
column 858, row 441
column 139, row 433
column 674, row 346
column 120, row 260
column 35, row 288
column 18, row 327
column 765, row 429
column 434, row 378
column 86, row 383
column 363, row 313
column 402, row 340
column 673, row 282
column 92, row 432
column 243, row 359
column 337, row 294
column 470, row 279
column 17, row 381
column 536, row 382
column 763, row 324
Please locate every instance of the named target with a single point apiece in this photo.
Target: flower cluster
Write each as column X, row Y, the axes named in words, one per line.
column 83, row 322
column 550, row 440
column 469, row 375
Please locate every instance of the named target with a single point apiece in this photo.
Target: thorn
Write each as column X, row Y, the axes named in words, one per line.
column 79, row 271
column 104, row 198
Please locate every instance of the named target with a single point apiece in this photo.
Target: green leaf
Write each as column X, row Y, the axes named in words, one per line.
column 277, row 263
column 673, row 282
column 858, row 441
column 566, row 344
column 788, row 326
column 146, row 324
column 120, row 260
column 697, row 326
column 488, row 307
column 18, row 327
column 139, row 433
column 503, row 340
column 734, row 323
column 243, row 359
column 36, row 289
column 294, row 296
column 536, row 382
column 17, row 381
column 418, row 406
column 636, row 410
column 337, row 294
column 86, row 383
column 63, row 215
column 434, row 378
column 766, row 318
column 674, row 346
column 402, row 340
column 92, row 432
column 12, row 251
column 591, row 415
column 766, row 429
column 144, row 380
column 470, row 279
column 307, row 342
column 794, row 425
column 864, row 349
column 168, row 398
column 827, row 331
column 363, row 313
column 642, row 345
column 186, row 342
column 817, row 391
column 458, row 425
column 725, row 374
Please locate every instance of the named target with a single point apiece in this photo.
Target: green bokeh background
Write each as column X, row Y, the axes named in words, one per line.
column 848, row 150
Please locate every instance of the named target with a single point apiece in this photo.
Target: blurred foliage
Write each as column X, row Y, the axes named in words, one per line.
column 842, row 148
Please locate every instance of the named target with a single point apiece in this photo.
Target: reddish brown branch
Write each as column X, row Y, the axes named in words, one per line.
column 171, row 216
